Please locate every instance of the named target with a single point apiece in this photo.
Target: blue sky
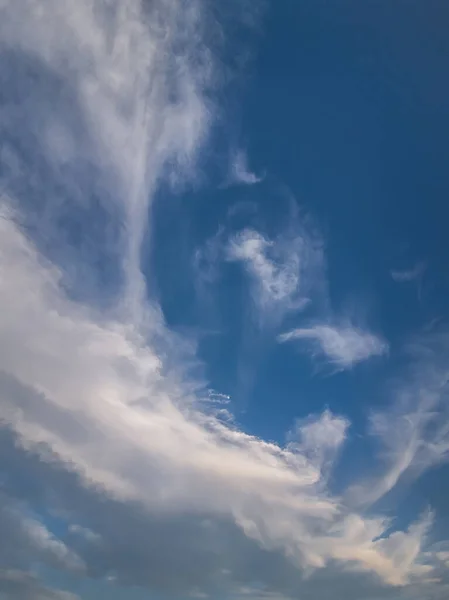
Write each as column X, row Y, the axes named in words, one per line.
column 223, row 300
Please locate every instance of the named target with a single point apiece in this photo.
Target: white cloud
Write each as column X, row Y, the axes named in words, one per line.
column 343, row 346
column 319, row 439
column 240, row 173
column 121, row 96
column 98, row 398
column 277, row 280
column 282, row 270
column 119, row 99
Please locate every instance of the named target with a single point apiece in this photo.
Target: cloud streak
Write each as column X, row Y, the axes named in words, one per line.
column 343, row 346
column 240, row 172
column 413, row 433
column 403, row 276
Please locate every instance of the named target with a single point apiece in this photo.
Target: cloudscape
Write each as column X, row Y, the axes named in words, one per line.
column 224, row 335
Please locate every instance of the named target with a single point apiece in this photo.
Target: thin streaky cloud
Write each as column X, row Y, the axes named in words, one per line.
column 240, row 172
column 21, row 585
column 413, row 432
column 403, row 276
column 343, row 346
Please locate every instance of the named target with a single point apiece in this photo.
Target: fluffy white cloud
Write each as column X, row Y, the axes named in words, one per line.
column 343, row 346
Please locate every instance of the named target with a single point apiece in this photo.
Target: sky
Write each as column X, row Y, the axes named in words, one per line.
column 224, row 323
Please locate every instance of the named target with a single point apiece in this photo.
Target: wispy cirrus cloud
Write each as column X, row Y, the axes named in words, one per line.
column 320, row 439
column 413, row 433
column 240, row 172
column 121, row 97
column 343, row 346
column 287, row 274
column 416, row 272
column 102, row 427
column 282, row 270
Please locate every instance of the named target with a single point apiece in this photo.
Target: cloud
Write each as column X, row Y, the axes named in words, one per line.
column 240, row 173
column 402, row 276
column 320, row 439
column 343, row 346
column 102, row 422
column 278, row 281
column 282, row 270
column 88, row 395
column 26, row 541
column 91, row 393
column 24, row 536
column 121, row 96
column 17, row 585
column 413, row 432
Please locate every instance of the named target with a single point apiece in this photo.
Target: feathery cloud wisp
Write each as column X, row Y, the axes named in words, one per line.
column 108, row 429
column 282, row 270
column 343, row 346
column 413, row 432
column 94, row 394
column 240, row 172
column 402, row 276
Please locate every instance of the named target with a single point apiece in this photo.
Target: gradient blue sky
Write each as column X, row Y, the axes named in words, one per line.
column 224, row 292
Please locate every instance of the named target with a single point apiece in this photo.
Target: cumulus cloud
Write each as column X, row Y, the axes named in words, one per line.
column 343, row 346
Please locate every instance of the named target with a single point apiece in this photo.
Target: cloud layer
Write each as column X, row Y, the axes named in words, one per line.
column 99, row 399
column 113, row 469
